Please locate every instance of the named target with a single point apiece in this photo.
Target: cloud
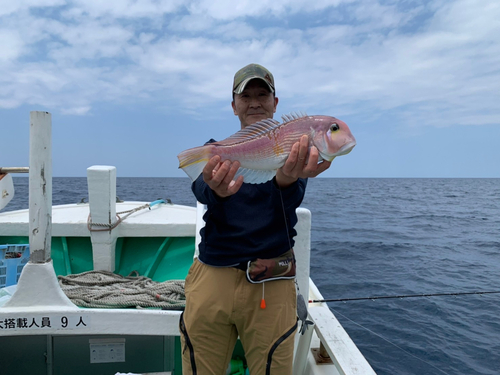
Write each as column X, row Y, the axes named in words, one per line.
column 228, row 9
column 434, row 62
column 127, row 9
column 20, row 6
column 12, row 45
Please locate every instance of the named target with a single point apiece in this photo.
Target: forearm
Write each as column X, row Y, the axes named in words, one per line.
column 283, row 181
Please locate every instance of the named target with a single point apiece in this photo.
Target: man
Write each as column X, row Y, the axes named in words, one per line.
column 245, row 223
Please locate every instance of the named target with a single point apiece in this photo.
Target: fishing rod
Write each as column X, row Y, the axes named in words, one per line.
column 401, row 296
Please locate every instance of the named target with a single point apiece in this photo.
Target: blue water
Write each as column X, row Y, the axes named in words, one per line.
column 374, row 237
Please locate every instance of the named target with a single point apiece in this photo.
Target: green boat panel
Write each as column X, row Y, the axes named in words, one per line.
column 159, row 258
column 14, row 240
column 71, row 255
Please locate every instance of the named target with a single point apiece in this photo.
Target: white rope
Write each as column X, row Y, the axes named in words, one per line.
column 105, row 289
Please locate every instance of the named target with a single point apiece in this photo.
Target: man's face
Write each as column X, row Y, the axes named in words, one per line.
column 255, row 103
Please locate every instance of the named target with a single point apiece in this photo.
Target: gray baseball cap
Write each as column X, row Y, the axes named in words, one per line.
column 249, row 72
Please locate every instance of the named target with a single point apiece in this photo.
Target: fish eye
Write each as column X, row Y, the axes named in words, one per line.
column 334, row 127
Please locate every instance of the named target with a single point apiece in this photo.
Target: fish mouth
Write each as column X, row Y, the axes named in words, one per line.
column 345, row 149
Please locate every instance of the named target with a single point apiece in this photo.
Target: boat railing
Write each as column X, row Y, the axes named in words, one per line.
column 5, row 170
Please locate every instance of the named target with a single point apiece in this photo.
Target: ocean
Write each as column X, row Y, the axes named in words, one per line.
column 387, row 237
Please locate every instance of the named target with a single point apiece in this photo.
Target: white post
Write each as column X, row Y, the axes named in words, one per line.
column 303, row 347
column 102, row 203
column 40, row 186
column 38, row 285
column 200, row 223
column 302, row 250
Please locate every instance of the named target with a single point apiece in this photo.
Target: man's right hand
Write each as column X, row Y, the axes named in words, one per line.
column 220, row 176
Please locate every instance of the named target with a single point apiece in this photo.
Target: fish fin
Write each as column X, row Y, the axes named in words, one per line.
column 293, row 116
column 193, row 161
column 255, row 176
column 259, row 129
column 256, row 130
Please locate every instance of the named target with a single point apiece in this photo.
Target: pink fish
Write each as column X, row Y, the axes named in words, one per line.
column 262, row 148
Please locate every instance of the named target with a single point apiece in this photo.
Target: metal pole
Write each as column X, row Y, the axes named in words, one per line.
column 40, row 186
column 14, row 170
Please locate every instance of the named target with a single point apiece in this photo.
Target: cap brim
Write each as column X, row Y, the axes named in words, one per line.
column 244, row 83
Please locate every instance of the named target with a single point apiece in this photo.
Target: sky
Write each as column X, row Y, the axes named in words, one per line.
column 132, row 83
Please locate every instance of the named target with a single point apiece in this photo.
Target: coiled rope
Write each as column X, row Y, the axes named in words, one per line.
column 104, row 289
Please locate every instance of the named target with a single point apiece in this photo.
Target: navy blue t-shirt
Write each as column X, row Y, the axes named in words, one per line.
column 256, row 222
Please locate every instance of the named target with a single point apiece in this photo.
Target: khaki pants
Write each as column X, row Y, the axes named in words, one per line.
column 222, row 305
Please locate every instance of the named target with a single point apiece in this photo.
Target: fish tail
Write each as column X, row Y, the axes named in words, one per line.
column 193, row 161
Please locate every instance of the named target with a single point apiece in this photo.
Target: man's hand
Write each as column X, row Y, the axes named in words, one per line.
column 300, row 164
column 219, row 176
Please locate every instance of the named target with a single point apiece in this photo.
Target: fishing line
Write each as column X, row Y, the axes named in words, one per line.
column 395, row 345
column 402, row 296
column 287, row 232
column 284, row 217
